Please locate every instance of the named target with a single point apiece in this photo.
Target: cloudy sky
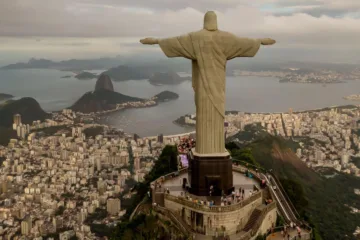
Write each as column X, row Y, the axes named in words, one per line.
column 323, row 30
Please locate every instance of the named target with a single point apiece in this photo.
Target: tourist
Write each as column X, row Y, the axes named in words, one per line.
column 288, row 236
column 238, row 194
column 299, row 232
column 292, row 225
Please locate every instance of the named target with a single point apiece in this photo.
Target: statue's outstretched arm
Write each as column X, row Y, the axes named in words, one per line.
column 149, row 41
column 267, row 41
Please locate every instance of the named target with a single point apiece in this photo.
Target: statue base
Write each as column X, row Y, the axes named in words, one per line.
column 210, row 174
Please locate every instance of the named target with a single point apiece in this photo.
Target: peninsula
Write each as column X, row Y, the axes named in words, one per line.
column 353, row 97
column 4, row 96
column 105, row 100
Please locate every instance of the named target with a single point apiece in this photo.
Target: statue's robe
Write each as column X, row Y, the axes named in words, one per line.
column 209, row 52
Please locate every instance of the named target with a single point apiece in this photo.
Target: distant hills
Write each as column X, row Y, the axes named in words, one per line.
column 68, row 65
column 124, row 73
column 85, row 76
column 4, row 96
column 157, row 62
column 28, row 108
column 167, row 78
column 104, row 98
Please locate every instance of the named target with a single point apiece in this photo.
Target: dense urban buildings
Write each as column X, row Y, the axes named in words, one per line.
column 333, row 132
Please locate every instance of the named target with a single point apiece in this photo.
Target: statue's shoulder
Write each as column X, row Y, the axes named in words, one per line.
column 224, row 33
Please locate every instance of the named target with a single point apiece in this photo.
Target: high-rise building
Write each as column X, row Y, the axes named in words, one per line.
column 136, row 164
column 160, row 138
column 26, row 226
column 113, row 206
column 17, row 119
column 136, row 137
column 345, row 159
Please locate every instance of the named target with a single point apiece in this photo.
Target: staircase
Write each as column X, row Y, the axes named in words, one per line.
column 186, row 229
column 252, row 220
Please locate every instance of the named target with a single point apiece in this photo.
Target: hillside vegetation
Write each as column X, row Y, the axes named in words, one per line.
column 320, row 201
column 28, row 108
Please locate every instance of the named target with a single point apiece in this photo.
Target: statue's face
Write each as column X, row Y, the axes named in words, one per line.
column 210, row 21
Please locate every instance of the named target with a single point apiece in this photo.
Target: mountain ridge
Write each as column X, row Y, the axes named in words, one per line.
column 29, row 109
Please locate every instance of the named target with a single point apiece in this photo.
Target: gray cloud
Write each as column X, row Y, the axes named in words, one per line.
column 74, row 44
column 296, row 24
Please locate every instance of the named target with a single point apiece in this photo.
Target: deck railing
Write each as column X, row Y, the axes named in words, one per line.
column 205, row 208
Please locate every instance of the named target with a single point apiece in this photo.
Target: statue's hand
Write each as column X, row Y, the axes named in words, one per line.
column 267, row 41
column 149, row 41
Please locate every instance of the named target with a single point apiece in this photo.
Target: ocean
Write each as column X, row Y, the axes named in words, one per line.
column 248, row 94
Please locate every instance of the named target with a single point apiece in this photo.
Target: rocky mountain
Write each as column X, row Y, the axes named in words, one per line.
column 101, row 100
column 167, row 78
column 28, row 108
column 4, row 96
column 124, row 73
column 85, row 76
column 104, row 82
column 104, row 97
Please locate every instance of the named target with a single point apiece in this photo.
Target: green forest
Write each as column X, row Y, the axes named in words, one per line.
column 322, row 202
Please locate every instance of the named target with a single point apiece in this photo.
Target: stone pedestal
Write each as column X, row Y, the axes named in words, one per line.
column 210, row 169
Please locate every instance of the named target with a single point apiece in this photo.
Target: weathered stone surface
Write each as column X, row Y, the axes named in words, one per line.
column 209, row 49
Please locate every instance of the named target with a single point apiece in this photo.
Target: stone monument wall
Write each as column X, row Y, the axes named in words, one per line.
column 232, row 220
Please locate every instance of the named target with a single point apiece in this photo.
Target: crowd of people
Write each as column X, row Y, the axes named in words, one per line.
column 186, row 144
column 287, row 229
column 235, row 197
column 197, row 201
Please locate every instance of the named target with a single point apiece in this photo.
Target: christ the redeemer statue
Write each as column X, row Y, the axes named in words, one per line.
column 209, row 49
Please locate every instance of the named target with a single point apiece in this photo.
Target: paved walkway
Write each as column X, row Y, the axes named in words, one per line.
column 239, row 179
column 278, row 236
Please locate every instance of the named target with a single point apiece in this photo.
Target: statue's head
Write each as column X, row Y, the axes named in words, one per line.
column 210, row 21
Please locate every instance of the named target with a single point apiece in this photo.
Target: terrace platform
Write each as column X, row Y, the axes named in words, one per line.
column 208, row 220
column 239, row 179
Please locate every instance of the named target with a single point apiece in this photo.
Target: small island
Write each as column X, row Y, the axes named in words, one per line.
column 67, row 76
column 85, row 76
column 4, row 96
column 165, row 96
column 167, row 78
column 353, row 97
